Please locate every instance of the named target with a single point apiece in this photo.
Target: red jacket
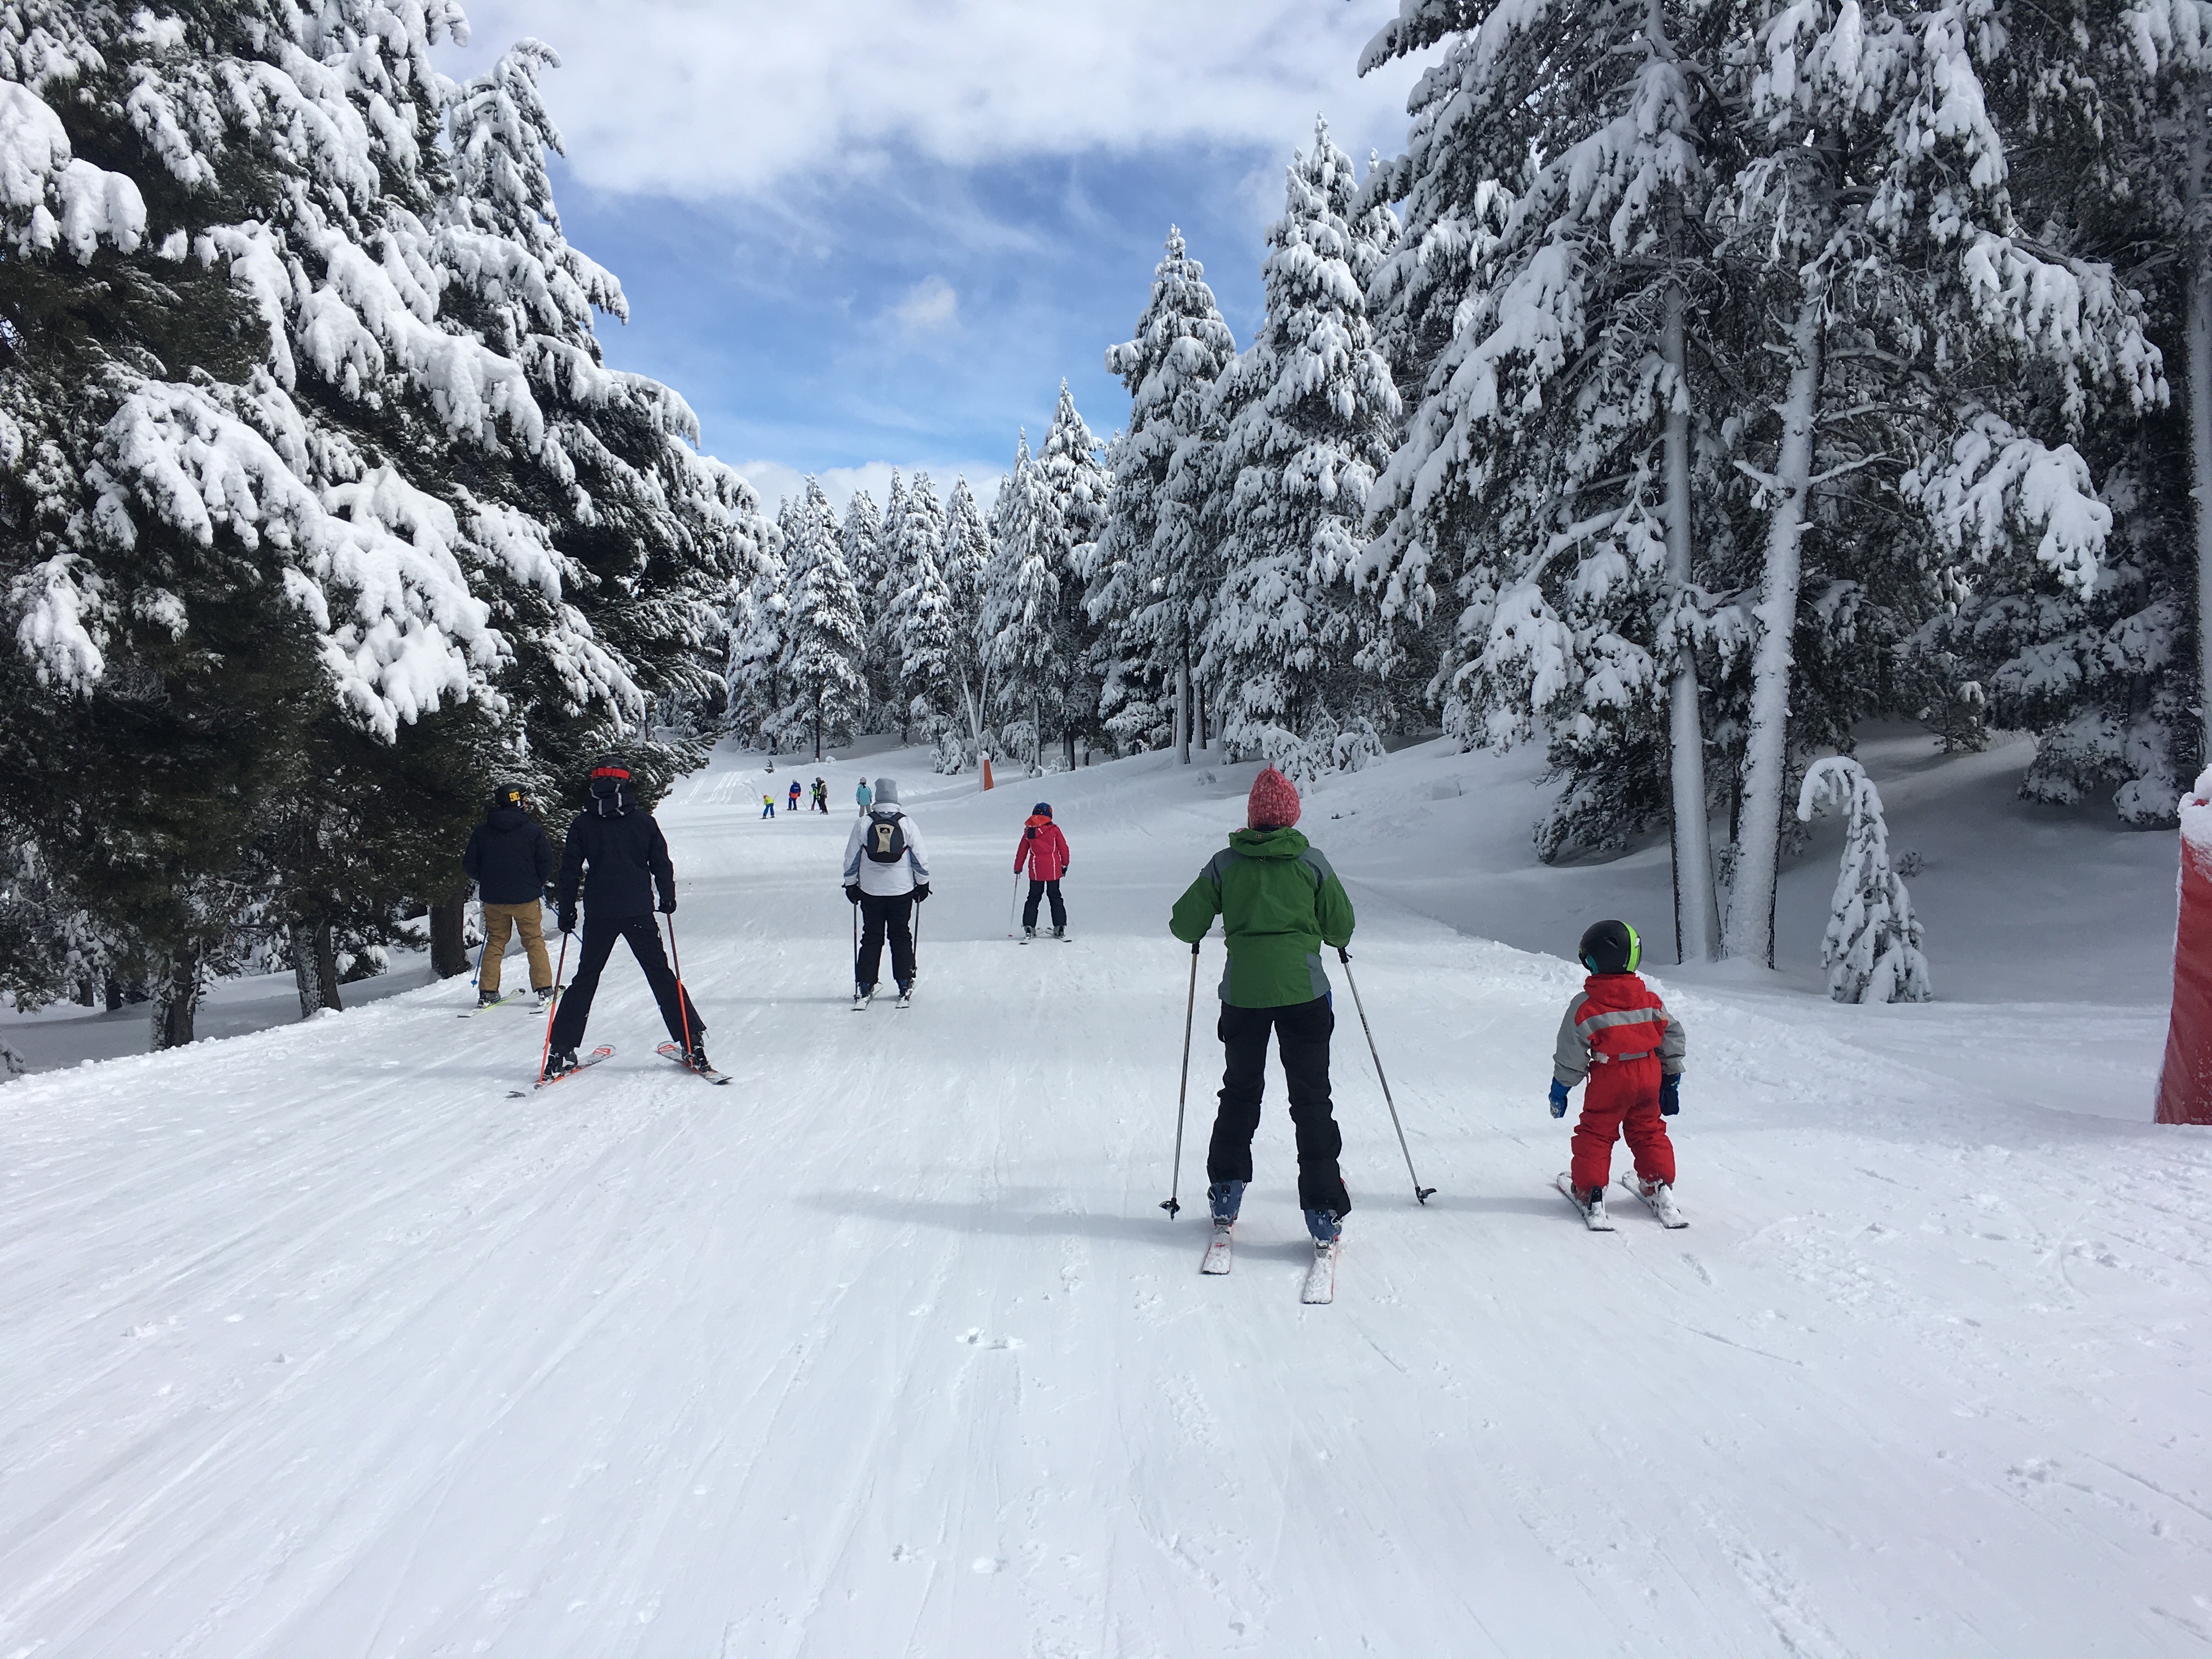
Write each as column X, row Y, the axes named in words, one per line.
column 1044, row 847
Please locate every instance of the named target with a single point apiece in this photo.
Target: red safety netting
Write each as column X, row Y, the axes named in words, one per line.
column 2184, row 1081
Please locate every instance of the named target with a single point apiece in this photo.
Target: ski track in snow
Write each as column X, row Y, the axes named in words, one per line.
column 319, row 1345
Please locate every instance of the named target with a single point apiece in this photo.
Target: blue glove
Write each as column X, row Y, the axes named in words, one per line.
column 1559, row 1098
column 1670, row 1095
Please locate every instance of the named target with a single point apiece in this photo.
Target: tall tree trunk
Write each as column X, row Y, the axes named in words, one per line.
column 1697, row 908
column 449, row 945
column 1198, row 690
column 1766, row 743
column 1183, row 706
column 315, row 966
column 176, row 1001
column 1036, row 735
column 2200, row 412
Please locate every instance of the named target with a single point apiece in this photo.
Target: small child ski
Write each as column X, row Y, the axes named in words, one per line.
column 794, row 794
column 768, row 807
column 1620, row 1038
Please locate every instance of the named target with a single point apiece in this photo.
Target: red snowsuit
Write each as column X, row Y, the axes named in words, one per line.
column 1044, row 847
column 1619, row 1036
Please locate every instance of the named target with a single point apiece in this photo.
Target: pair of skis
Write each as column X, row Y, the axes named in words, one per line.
column 508, row 1000
column 1660, row 1201
column 1319, row 1288
column 860, row 1002
column 669, row 1051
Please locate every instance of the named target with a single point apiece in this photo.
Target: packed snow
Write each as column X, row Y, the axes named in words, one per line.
column 321, row 1343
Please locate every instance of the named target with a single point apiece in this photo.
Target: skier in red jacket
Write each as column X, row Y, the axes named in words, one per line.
column 1619, row 1037
column 1044, row 849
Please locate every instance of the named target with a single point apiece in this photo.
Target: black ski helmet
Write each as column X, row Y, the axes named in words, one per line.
column 1610, row 947
column 507, row 794
column 609, row 774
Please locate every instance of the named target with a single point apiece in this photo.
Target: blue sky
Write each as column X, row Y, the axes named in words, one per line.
column 862, row 233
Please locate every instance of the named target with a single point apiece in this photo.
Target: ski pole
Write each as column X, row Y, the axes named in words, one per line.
column 1014, row 901
column 477, row 978
column 1183, row 1092
column 1421, row 1195
column 545, row 1053
column 856, row 942
column 683, row 996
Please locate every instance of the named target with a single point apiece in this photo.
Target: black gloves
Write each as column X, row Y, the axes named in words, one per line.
column 565, row 918
column 668, row 904
column 1670, row 1095
column 921, row 891
column 853, row 894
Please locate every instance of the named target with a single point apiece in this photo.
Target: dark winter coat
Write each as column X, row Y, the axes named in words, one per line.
column 1280, row 902
column 626, row 856
column 1043, row 848
column 509, row 858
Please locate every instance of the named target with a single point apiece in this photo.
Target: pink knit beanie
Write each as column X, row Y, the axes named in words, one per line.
column 1274, row 802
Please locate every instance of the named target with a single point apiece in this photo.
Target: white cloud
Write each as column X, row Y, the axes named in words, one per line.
column 930, row 306
column 778, row 482
column 745, row 97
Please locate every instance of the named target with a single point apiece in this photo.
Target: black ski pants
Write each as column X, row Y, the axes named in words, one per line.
column 1037, row 890
column 880, row 915
column 1302, row 1034
column 643, row 933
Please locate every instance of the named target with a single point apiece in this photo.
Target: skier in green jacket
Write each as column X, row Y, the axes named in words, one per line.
column 1280, row 902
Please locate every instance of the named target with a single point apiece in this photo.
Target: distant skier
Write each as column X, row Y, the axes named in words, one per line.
column 1279, row 902
column 510, row 859
column 768, row 807
column 821, row 796
column 622, row 850
column 794, row 794
column 886, row 874
column 1618, row 1025
column 1044, row 849
column 863, row 795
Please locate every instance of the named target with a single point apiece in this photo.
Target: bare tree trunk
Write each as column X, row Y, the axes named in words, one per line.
column 449, row 947
column 176, row 1000
column 315, row 966
column 1766, row 744
column 2199, row 326
column 1183, row 706
column 1697, row 908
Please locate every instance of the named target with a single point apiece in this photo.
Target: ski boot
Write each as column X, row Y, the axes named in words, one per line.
column 485, row 998
column 1029, row 933
column 560, row 1063
column 696, row 1059
column 1225, row 1198
column 905, row 995
column 1595, row 1197
column 545, row 995
column 1326, row 1226
column 862, row 995
column 1059, row 932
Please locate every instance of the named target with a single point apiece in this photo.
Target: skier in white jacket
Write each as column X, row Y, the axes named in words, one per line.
column 886, row 874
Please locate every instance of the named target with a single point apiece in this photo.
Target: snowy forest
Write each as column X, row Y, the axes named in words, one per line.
column 1704, row 378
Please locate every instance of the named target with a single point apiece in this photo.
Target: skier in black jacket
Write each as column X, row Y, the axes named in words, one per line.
column 627, row 857
column 510, row 860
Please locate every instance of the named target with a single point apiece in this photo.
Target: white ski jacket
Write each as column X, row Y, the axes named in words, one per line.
column 885, row 880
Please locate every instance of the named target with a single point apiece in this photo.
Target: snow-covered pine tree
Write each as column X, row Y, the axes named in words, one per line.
column 1154, row 582
column 824, row 638
column 1308, row 418
column 1022, row 597
column 878, row 586
column 1077, row 484
column 917, row 618
column 1871, row 949
column 1552, row 449
column 757, row 635
column 1914, row 322
column 967, row 574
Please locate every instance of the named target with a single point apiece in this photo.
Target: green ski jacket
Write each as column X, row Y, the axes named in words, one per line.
column 1280, row 902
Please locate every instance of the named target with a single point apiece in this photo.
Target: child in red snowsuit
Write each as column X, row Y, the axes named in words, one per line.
column 1044, row 849
column 1619, row 1036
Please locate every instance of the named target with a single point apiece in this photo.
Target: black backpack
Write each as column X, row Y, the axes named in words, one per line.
column 884, row 840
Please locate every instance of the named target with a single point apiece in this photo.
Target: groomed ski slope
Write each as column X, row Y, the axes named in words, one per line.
column 319, row 1345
